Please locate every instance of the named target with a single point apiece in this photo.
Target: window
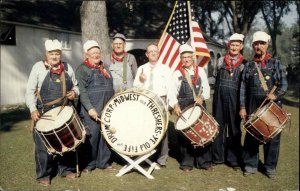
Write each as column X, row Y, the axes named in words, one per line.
column 8, row 34
column 62, row 37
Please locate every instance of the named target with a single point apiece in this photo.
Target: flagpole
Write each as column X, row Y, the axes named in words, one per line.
column 190, row 23
column 164, row 32
column 191, row 30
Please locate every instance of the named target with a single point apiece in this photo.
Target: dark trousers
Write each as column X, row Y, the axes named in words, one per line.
column 226, row 148
column 193, row 156
column 94, row 152
column 251, row 153
column 46, row 164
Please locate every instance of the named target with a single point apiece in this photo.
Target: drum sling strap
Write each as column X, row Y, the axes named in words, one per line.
column 261, row 78
column 63, row 84
column 188, row 78
column 37, row 93
column 125, row 69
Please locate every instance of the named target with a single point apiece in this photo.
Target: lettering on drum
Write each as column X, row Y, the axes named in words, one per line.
column 138, row 121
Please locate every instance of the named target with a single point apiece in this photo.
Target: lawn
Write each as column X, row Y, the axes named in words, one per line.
column 17, row 168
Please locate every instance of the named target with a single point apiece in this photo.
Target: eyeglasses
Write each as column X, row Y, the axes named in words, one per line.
column 186, row 57
column 152, row 51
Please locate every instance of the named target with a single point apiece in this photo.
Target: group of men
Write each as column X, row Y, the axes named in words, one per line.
column 237, row 93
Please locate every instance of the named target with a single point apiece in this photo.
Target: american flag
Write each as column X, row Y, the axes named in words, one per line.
column 182, row 29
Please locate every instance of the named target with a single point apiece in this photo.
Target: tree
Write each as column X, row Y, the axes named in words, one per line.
column 242, row 14
column 272, row 12
column 94, row 24
column 203, row 11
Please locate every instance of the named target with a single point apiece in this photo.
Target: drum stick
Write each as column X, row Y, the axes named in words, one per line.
column 272, row 91
column 111, row 129
column 47, row 118
column 199, row 94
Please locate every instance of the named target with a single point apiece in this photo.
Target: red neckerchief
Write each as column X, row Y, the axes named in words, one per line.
column 57, row 70
column 263, row 60
column 114, row 57
column 196, row 75
column 101, row 68
column 227, row 60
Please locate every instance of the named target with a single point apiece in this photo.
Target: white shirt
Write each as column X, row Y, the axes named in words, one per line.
column 202, row 75
column 36, row 79
column 162, row 81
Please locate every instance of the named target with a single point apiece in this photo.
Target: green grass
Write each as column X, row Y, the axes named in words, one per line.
column 17, row 167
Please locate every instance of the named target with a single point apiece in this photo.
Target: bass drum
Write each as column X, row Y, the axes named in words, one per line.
column 134, row 121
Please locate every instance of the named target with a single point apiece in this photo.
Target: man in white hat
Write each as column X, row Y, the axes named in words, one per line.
column 226, row 148
column 96, row 88
column 44, row 92
column 157, row 77
column 122, row 64
column 192, row 87
column 253, row 92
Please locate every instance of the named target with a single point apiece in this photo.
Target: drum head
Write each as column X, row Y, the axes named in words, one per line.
column 135, row 122
column 189, row 116
column 50, row 120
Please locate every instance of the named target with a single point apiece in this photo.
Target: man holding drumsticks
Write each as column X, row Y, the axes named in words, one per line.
column 258, row 77
column 96, row 88
column 192, row 88
column 45, row 85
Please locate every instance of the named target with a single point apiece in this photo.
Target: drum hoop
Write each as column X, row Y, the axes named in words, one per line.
column 141, row 92
column 215, row 133
column 184, row 110
column 50, row 149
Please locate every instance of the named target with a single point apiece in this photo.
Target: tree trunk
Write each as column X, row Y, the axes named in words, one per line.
column 94, row 24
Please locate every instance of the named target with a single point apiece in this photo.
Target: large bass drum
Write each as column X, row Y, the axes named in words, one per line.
column 134, row 121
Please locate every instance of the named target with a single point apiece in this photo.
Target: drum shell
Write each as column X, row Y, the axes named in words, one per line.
column 64, row 138
column 203, row 131
column 267, row 122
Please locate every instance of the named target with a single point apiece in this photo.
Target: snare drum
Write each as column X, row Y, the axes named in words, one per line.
column 135, row 121
column 267, row 122
column 60, row 132
column 197, row 125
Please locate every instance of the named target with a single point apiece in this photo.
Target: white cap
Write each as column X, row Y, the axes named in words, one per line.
column 119, row 35
column 237, row 36
column 261, row 36
column 186, row 48
column 90, row 44
column 51, row 45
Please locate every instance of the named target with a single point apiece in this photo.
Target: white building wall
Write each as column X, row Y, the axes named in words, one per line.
column 17, row 60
